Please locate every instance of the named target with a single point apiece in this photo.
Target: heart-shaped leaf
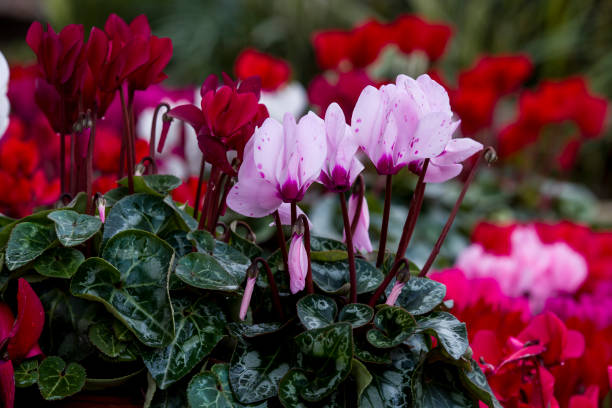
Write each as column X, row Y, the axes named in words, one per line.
column 368, row 354
column 326, row 355
column 232, row 260
column 254, row 373
column 290, row 387
column 357, row 314
column 451, row 333
column 436, row 385
column 203, row 271
column 200, row 325
column 362, row 377
column 135, row 289
column 138, row 211
column 73, row 228
column 59, row 262
column 250, row 331
column 186, row 221
column 203, row 240
column 393, row 326
column 202, row 392
column 179, row 242
column 249, row 249
column 320, row 244
column 104, row 339
column 333, row 277
column 221, row 371
column 27, row 241
column 57, row 381
column 154, row 184
column 316, row 311
column 420, row 295
column 26, row 373
column 390, row 385
column 114, row 195
column 475, row 381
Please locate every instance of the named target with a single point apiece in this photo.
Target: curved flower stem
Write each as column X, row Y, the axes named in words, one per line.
column 214, row 188
column 453, row 214
column 302, row 218
column 62, row 163
column 273, row 287
column 385, row 223
column 281, row 241
column 359, row 189
column 250, row 234
column 349, row 248
column 216, row 206
column 73, row 167
column 293, row 212
column 153, row 131
column 196, row 206
column 128, row 144
column 409, row 225
column 90, row 153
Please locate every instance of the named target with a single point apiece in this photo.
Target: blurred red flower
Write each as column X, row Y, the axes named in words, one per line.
column 273, row 72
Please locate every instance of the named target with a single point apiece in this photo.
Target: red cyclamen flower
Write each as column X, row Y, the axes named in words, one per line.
column 273, row 72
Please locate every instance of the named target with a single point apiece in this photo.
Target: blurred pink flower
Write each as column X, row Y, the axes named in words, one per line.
column 361, row 237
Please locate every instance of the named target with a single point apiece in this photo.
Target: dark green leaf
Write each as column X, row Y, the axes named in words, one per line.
column 254, row 373
column 179, row 242
column 27, row 241
column 175, row 397
column 186, row 221
column 115, row 195
column 56, row 380
column 451, row 333
column 372, row 355
column 249, row 249
column 26, row 374
column 437, row 386
column 138, row 211
column 290, row 387
column 320, row 244
column 200, row 325
column 329, row 256
column 202, row 392
column 59, row 262
column 232, row 260
column 362, row 377
column 420, row 295
column 136, row 291
column 333, row 277
column 203, row 240
column 221, row 371
column 316, row 311
column 155, row 184
column 73, row 228
column 252, row 330
column 38, row 218
column 393, row 326
column 326, row 354
column 357, row 314
column 203, row 271
column 104, row 339
column 78, row 203
column 476, row 382
column 98, row 384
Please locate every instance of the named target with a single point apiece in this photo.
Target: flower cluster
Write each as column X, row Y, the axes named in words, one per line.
column 555, row 102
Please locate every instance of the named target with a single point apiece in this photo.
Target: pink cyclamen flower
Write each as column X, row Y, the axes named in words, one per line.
column 395, row 292
column 341, row 166
column 280, row 162
column 246, row 298
column 402, row 123
column 361, row 237
column 298, row 263
column 447, row 165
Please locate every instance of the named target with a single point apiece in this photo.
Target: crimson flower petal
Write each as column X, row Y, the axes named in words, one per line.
column 6, row 321
column 7, row 384
column 29, row 323
column 190, row 114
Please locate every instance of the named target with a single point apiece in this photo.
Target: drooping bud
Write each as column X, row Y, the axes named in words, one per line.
column 102, row 208
column 402, row 277
column 140, row 169
column 248, row 290
column 166, row 120
column 490, row 155
column 298, row 261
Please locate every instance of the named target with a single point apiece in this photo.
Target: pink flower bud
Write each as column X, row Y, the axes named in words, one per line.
column 102, row 208
column 298, row 263
column 395, row 292
column 246, row 298
column 361, row 237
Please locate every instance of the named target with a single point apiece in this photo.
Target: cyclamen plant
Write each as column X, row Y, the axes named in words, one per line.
column 147, row 291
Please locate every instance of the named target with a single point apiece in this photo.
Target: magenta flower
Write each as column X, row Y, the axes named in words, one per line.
column 341, row 166
column 298, row 263
column 280, row 163
column 361, row 237
column 403, row 123
column 19, row 338
column 246, row 298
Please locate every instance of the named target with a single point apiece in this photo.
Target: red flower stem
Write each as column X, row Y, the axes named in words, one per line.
column 90, row 153
column 309, row 286
column 128, row 143
column 385, row 223
column 281, row 241
column 360, row 192
column 408, row 230
column 223, row 203
column 132, row 127
column 198, row 197
column 216, row 207
column 73, row 168
column 62, row 163
column 153, row 129
column 349, row 249
column 273, row 287
column 213, row 188
column 120, row 172
column 293, row 213
column 449, row 222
